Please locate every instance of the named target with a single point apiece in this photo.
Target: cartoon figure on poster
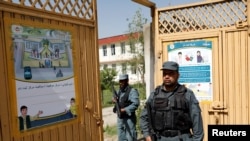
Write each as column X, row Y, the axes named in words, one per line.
column 199, row 57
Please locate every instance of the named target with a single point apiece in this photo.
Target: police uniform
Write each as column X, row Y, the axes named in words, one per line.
column 172, row 115
column 126, row 125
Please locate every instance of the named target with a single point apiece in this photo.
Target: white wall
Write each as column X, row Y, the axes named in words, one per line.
column 149, row 59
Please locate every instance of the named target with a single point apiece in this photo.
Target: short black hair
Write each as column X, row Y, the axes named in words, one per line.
column 23, row 107
column 72, row 99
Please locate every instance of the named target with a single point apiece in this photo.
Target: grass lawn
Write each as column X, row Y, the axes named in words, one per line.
column 108, row 94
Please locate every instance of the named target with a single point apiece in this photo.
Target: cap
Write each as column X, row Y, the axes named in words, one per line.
column 123, row 76
column 170, row 65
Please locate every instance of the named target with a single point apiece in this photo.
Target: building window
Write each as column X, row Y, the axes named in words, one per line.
column 123, row 48
column 132, row 47
column 114, row 67
column 104, row 49
column 105, row 66
column 113, row 49
column 124, row 68
column 133, row 69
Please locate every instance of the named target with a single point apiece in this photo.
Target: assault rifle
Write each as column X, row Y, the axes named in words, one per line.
column 117, row 108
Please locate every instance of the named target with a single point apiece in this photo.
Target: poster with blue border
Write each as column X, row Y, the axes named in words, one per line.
column 195, row 60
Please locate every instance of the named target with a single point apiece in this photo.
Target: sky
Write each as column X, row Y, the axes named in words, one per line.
column 113, row 14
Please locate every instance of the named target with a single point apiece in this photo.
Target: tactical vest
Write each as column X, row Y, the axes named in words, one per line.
column 21, row 122
column 124, row 102
column 172, row 112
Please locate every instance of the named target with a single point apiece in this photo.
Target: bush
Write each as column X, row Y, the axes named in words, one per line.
column 107, row 98
column 110, row 130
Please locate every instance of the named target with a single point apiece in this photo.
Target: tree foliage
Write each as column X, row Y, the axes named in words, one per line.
column 107, row 77
column 136, row 42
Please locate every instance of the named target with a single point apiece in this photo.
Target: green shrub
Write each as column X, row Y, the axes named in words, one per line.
column 110, row 130
column 107, row 98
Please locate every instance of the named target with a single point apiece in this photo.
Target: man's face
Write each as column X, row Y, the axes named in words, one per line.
column 123, row 83
column 170, row 77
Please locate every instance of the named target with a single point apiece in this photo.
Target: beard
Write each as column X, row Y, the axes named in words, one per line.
column 123, row 87
column 170, row 84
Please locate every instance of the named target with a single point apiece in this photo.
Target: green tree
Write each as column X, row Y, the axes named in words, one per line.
column 107, row 77
column 32, row 30
column 136, row 42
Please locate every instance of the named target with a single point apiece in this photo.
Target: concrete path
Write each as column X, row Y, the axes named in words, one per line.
column 109, row 117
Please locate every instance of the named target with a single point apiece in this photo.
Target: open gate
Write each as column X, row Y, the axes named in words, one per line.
column 219, row 30
column 48, row 55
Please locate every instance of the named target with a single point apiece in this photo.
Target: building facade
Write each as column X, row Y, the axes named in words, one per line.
column 116, row 52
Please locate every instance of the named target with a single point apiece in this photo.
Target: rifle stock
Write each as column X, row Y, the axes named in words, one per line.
column 117, row 106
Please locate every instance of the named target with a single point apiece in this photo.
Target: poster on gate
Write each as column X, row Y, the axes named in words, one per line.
column 195, row 60
column 43, row 80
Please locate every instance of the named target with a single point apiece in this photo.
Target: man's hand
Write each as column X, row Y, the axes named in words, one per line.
column 39, row 112
column 123, row 110
column 148, row 138
column 114, row 100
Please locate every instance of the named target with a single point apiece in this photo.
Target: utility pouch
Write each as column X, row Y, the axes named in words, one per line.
column 158, row 120
column 160, row 103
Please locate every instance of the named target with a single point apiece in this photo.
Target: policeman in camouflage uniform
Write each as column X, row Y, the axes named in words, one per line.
column 172, row 112
column 128, row 100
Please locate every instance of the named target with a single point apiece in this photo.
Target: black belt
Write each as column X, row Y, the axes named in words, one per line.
column 173, row 133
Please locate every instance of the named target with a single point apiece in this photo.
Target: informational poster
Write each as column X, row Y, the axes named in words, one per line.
column 44, row 75
column 195, row 60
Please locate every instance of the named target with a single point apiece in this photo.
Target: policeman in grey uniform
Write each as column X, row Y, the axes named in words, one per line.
column 172, row 112
column 128, row 100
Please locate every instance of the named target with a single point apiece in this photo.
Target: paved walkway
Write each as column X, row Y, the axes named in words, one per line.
column 109, row 117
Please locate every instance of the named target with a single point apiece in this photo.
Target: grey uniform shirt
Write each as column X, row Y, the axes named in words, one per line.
column 195, row 114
